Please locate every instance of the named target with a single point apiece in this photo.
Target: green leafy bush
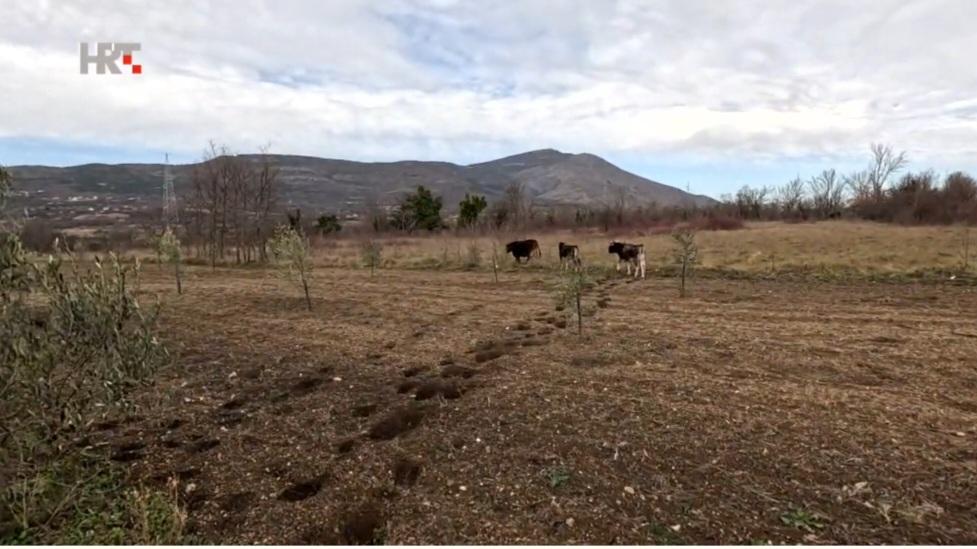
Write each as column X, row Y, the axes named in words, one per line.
column 73, row 342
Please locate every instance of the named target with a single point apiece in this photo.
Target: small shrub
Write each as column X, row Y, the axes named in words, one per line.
column 473, row 258
column 328, row 224
column 38, row 235
column 718, row 222
column 558, row 477
column 801, row 519
column 69, row 355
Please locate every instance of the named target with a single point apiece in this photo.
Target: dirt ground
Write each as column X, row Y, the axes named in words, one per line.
column 442, row 407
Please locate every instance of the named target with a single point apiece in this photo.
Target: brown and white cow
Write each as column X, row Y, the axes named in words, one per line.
column 569, row 256
column 629, row 254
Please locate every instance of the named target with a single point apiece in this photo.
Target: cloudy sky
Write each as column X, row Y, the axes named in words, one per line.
column 702, row 93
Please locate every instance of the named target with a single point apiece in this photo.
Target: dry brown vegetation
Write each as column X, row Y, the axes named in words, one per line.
column 440, row 406
column 834, row 249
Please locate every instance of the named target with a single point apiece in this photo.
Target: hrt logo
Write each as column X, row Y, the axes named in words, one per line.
column 106, row 55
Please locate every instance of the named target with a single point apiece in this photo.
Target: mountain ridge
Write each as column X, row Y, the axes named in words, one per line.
column 550, row 177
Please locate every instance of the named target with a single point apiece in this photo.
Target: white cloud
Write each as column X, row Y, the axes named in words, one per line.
column 751, row 81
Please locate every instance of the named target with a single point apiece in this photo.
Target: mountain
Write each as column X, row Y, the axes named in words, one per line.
column 550, row 177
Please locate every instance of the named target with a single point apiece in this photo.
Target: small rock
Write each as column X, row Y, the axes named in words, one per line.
column 570, row 522
column 629, row 490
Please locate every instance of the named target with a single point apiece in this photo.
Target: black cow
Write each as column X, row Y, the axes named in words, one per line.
column 569, row 256
column 523, row 248
column 629, row 254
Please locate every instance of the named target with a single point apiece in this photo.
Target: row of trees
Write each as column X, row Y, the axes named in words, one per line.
column 875, row 193
column 232, row 207
column 421, row 210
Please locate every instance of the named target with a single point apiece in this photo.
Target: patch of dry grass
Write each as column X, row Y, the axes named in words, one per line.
column 854, row 248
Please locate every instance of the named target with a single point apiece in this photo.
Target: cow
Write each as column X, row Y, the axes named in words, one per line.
column 629, row 254
column 523, row 248
column 569, row 256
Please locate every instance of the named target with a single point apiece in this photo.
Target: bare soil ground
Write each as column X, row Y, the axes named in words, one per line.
column 441, row 407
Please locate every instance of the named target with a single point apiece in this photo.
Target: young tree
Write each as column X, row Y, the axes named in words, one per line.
column 569, row 293
column 371, row 252
column 291, row 251
column 470, row 208
column 168, row 250
column 686, row 255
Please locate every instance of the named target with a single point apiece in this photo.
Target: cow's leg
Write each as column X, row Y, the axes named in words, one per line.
column 641, row 258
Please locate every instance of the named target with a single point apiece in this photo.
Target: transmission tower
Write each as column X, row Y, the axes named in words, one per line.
column 171, row 217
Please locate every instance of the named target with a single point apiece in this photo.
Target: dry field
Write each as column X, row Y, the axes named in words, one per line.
column 832, row 249
column 424, row 406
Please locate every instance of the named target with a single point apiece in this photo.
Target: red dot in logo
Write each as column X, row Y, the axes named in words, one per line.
column 127, row 59
column 137, row 69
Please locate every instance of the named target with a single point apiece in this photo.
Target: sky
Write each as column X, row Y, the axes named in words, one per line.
column 699, row 94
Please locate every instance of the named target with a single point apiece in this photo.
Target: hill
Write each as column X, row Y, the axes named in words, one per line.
column 550, row 177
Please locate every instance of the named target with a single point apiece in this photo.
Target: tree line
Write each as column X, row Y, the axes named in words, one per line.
column 876, row 193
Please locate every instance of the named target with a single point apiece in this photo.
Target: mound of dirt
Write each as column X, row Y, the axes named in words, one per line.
column 397, row 422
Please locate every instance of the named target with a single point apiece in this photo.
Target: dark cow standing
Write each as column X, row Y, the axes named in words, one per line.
column 523, row 249
column 569, row 256
column 629, row 254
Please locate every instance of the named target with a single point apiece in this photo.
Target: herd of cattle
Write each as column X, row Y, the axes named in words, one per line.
column 631, row 255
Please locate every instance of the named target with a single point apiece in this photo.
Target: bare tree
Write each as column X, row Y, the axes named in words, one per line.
column 231, row 204
column 375, row 215
column 827, row 193
column 790, row 197
column 750, row 201
column 515, row 204
column 884, row 163
column 620, row 202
